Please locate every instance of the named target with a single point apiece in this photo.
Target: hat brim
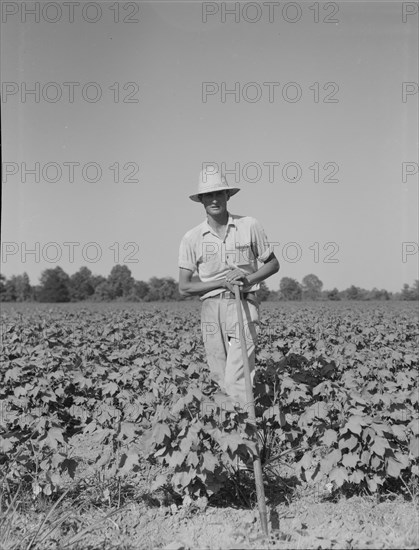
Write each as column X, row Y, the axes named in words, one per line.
column 232, row 191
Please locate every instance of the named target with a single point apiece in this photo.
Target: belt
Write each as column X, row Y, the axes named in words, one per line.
column 228, row 295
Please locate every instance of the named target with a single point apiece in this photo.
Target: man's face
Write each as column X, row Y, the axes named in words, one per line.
column 215, row 203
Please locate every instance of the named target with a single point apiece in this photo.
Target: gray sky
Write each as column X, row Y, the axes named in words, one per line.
column 335, row 110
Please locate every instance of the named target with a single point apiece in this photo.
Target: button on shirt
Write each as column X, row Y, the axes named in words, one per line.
column 244, row 244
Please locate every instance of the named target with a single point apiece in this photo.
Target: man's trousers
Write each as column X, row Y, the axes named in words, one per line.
column 221, row 335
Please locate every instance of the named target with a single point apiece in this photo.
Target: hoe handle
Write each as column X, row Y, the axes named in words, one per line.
column 257, row 466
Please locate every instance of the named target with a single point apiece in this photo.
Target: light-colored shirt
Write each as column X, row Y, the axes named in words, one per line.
column 203, row 251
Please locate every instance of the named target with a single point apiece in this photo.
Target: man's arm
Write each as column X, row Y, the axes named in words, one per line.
column 270, row 267
column 238, row 277
column 187, row 287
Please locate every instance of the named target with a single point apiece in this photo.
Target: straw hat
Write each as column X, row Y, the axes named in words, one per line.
column 210, row 180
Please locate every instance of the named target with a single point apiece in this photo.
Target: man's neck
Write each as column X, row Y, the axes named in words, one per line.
column 218, row 222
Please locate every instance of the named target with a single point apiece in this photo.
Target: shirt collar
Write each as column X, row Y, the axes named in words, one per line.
column 207, row 229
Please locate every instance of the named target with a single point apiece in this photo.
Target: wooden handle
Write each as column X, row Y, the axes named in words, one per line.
column 257, row 466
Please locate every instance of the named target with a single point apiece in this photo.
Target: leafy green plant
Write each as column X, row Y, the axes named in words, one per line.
column 336, row 396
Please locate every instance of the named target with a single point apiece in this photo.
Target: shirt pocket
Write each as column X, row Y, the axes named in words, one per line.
column 244, row 255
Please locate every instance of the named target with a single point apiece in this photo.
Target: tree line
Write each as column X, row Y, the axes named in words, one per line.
column 56, row 285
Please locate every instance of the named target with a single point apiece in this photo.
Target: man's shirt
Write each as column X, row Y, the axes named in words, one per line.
column 245, row 243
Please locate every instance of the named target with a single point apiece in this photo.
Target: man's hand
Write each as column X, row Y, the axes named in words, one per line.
column 229, row 285
column 236, row 277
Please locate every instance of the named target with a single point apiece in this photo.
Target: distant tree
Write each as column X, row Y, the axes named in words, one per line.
column 333, row 295
column 36, row 292
column 103, row 292
column 274, row 295
column 376, row 294
column 353, row 293
column 311, row 287
column 410, row 293
column 290, row 289
column 139, row 291
column 170, row 289
column 97, row 279
column 405, row 294
column 54, row 285
column 162, row 289
column 81, row 285
column 23, row 288
column 120, row 281
column 263, row 292
column 2, row 287
column 9, row 294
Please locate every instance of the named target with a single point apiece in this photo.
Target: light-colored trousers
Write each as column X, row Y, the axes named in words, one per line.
column 221, row 335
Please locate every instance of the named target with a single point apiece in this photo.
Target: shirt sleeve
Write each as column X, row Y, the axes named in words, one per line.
column 261, row 247
column 187, row 256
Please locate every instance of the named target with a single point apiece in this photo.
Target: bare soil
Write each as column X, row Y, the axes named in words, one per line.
column 300, row 517
column 304, row 523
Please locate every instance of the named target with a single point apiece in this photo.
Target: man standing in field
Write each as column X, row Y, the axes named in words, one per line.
column 224, row 250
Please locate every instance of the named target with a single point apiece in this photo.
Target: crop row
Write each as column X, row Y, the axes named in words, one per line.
column 335, row 385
